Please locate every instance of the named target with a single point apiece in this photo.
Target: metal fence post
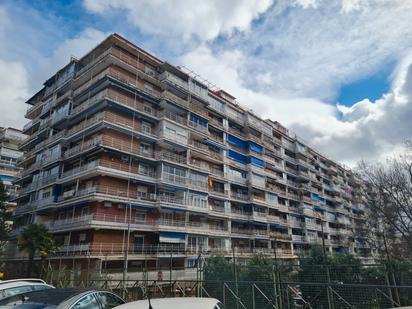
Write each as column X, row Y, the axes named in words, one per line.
column 253, row 297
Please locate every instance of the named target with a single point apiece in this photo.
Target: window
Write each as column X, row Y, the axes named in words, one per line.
column 140, row 217
column 144, row 169
column 87, row 302
column 15, row 291
column 146, row 127
column 109, row 300
column 174, row 170
column 142, row 191
column 145, row 148
column 148, row 109
column 85, row 211
column 46, row 194
column 82, row 238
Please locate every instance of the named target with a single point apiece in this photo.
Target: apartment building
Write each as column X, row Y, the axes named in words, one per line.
column 129, row 157
column 10, row 139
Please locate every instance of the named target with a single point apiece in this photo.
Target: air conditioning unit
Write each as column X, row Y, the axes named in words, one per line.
column 107, row 204
column 125, row 158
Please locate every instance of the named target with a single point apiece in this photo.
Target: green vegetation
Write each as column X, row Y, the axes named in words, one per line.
column 5, row 216
column 319, row 278
column 35, row 238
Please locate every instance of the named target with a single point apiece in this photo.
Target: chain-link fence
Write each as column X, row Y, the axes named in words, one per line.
column 262, row 294
column 260, row 283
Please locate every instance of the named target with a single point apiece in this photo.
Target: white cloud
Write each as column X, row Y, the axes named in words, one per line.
column 369, row 130
column 33, row 53
column 204, row 20
column 76, row 46
column 13, row 89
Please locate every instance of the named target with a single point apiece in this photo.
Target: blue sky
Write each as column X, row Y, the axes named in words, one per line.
column 335, row 72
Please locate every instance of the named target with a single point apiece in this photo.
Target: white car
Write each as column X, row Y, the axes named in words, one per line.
column 18, row 286
column 175, row 303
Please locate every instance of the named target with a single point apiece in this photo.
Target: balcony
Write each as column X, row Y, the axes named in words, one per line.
column 117, row 167
column 199, row 109
column 167, row 95
column 196, row 203
column 296, row 224
column 173, row 116
column 173, row 79
column 260, row 232
column 277, row 219
column 217, row 172
column 258, row 199
column 198, row 184
column 240, row 214
column 199, row 146
column 216, row 138
column 298, row 238
column 218, row 191
column 114, row 192
column 281, row 236
column 23, row 208
column 244, row 197
column 241, row 231
column 259, row 216
column 199, row 164
column 216, row 122
column 174, row 179
column 171, row 157
column 237, row 178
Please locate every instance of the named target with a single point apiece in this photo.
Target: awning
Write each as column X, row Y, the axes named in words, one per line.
column 171, row 237
column 141, row 206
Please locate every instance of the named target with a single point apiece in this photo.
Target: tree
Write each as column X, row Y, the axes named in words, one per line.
column 35, row 238
column 5, row 216
column 387, row 194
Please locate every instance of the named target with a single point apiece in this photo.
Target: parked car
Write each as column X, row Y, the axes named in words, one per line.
column 71, row 298
column 18, row 286
column 175, row 303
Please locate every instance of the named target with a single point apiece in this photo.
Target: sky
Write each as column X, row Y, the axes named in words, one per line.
column 338, row 73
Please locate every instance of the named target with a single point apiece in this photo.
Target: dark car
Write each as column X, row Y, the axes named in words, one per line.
column 63, row 299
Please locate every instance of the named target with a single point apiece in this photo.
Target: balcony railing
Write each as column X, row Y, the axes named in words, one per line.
column 199, row 145
column 169, row 77
column 117, row 192
column 173, row 116
column 240, row 196
column 167, row 95
column 89, row 144
column 218, row 191
column 172, row 157
column 198, row 126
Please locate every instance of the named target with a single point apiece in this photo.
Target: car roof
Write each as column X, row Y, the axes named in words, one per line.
column 51, row 297
column 171, row 303
column 34, row 280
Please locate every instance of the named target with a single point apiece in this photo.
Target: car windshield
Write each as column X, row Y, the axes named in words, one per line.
column 22, row 289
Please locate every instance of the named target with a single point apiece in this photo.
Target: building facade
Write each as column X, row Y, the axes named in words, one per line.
column 130, row 157
column 10, row 140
